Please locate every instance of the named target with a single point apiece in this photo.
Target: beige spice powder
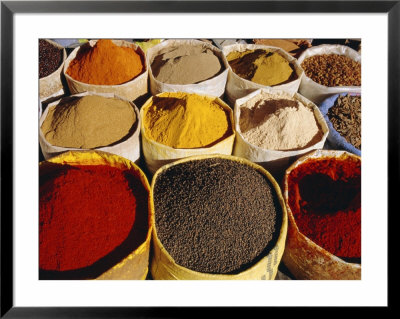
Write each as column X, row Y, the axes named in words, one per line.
column 186, row 65
column 88, row 122
column 279, row 124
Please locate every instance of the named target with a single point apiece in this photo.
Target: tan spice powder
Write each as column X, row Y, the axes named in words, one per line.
column 186, row 65
column 88, row 122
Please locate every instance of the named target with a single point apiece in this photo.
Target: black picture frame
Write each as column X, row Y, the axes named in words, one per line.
column 9, row 8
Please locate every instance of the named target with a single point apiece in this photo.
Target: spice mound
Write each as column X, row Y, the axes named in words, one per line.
column 345, row 116
column 216, row 215
column 88, row 213
column 277, row 123
column 182, row 120
column 50, row 58
column 186, row 64
column 105, row 64
column 88, row 122
column 333, row 70
column 325, row 199
column 261, row 66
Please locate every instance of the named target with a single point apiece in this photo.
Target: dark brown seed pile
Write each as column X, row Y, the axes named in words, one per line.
column 216, row 215
column 345, row 116
column 333, row 70
column 50, row 58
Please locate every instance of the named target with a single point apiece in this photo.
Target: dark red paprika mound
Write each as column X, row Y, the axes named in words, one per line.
column 85, row 212
column 325, row 199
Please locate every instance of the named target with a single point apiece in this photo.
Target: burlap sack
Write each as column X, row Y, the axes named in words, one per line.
column 135, row 266
column 51, row 87
column 128, row 148
column 317, row 92
column 237, row 87
column 214, row 86
column 157, row 154
column 163, row 266
column 129, row 90
column 304, row 258
column 275, row 162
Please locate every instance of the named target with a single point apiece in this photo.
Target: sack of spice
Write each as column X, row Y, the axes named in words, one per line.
column 252, row 67
column 216, row 217
column 329, row 69
column 107, row 66
column 342, row 113
column 322, row 193
column 101, row 121
column 177, row 125
column 190, row 66
column 273, row 128
column 51, row 63
column 94, row 217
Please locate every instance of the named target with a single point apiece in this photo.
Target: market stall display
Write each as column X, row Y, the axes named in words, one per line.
column 252, row 148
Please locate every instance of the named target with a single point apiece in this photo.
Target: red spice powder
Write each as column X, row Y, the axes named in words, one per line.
column 85, row 213
column 325, row 199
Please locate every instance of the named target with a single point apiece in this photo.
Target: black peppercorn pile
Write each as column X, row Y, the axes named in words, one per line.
column 50, row 58
column 216, row 215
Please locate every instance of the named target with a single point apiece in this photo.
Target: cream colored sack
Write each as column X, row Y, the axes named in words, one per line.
column 214, row 86
column 135, row 266
column 130, row 90
column 317, row 92
column 275, row 162
column 157, row 154
column 51, row 86
column 129, row 148
column 304, row 258
column 163, row 267
column 237, row 87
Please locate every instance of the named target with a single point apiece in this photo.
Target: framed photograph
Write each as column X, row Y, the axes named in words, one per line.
column 366, row 31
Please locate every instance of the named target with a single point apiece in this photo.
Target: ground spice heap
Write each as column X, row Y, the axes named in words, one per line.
column 215, row 215
column 325, row 199
column 86, row 213
column 50, row 58
column 186, row 64
column 182, row 120
column 88, row 122
column 345, row 116
column 261, row 66
column 281, row 124
column 105, row 64
column 333, row 70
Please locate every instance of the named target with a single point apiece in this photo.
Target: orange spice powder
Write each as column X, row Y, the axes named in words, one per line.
column 105, row 64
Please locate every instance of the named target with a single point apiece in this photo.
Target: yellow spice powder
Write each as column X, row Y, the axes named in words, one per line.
column 260, row 66
column 182, row 120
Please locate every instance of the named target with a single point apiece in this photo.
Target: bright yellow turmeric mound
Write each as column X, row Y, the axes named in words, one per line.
column 182, row 120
